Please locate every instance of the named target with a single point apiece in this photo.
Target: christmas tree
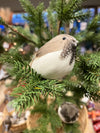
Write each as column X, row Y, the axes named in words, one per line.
column 91, row 34
column 32, row 89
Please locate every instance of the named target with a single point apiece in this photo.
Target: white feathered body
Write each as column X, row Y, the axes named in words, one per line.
column 52, row 65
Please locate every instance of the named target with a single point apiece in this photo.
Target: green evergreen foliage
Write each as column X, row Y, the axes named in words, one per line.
column 89, row 68
column 17, row 34
column 1, row 41
column 91, row 34
column 30, row 85
column 58, row 16
column 35, row 19
column 67, row 10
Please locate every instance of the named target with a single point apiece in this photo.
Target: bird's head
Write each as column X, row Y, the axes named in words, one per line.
column 70, row 40
column 69, row 46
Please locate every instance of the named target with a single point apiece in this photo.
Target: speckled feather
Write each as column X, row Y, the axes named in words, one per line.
column 68, row 112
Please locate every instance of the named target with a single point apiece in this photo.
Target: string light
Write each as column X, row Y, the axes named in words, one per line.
column 15, row 43
column 21, row 50
column 6, row 49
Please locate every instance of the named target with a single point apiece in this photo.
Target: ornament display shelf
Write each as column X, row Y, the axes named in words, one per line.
column 19, row 125
column 18, row 128
column 85, row 123
column 15, row 128
column 4, row 92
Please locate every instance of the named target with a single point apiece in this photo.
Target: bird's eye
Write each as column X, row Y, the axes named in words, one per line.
column 64, row 38
column 74, row 41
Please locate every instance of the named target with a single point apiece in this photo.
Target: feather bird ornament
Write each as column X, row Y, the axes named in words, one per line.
column 68, row 112
column 56, row 58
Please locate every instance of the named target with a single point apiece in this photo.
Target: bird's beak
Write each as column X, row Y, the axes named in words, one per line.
column 76, row 43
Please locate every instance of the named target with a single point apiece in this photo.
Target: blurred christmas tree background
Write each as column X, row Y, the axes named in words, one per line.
column 18, row 50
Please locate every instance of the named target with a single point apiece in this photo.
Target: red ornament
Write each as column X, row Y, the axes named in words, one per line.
column 97, row 127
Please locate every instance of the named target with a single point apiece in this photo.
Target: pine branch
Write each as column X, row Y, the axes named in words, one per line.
column 66, row 10
column 91, row 66
column 14, row 30
column 74, row 128
column 94, row 24
column 36, row 131
column 32, row 89
column 34, row 86
column 89, row 74
column 80, row 15
column 28, row 7
column 35, row 17
column 61, row 20
column 91, row 34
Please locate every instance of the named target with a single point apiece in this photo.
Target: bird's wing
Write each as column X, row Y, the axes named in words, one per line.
column 49, row 47
column 55, row 44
